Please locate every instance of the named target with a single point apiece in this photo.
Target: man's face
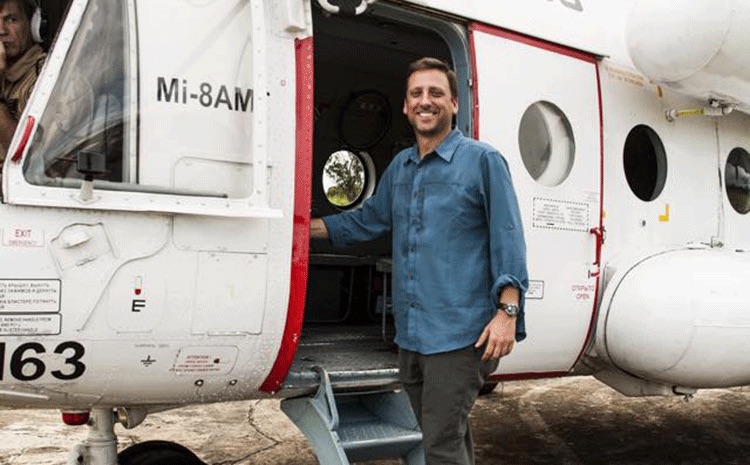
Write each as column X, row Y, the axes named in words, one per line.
column 15, row 30
column 429, row 105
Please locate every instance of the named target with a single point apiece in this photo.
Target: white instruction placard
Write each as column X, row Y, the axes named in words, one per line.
column 30, row 325
column 29, row 295
column 536, row 290
column 216, row 360
column 561, row 214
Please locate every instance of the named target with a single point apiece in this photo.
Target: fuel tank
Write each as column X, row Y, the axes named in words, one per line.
column 695, row 47
column 679, row 317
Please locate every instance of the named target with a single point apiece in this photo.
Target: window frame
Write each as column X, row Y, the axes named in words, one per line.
column 126, row 196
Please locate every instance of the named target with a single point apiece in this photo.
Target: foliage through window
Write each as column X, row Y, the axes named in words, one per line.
column 343, row 178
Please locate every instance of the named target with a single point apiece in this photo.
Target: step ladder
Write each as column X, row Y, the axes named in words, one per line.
column 344, row 428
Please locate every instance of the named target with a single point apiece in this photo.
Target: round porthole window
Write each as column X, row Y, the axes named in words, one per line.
column 365, row 120
column 645, row 163
column 737, row 179
column 348, row 178
column 545, row 139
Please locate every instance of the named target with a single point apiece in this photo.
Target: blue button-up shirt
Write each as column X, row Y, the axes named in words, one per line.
column 457, row 241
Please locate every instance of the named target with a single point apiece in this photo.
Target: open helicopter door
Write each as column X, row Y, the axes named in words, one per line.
column 538, row 103
column 151, row 179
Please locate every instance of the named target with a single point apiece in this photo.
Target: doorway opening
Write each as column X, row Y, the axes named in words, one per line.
column 361, row 65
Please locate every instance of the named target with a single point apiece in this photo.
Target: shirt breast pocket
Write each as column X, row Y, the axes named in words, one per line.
column 444, row 205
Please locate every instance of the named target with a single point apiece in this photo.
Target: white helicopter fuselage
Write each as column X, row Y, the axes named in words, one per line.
column 184, row 272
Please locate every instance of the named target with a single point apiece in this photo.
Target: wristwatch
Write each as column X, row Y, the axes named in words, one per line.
column 510, row 309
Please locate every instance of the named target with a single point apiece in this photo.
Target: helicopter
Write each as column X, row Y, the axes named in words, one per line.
column 157, row 196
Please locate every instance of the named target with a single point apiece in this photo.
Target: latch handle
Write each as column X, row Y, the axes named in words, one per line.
column 346, row 6
column 599, row 233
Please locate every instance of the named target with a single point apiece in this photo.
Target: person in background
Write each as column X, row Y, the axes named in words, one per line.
column 459, row 261
column 21, row 61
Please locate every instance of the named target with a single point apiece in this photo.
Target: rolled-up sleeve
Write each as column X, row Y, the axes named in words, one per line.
column 507, row 244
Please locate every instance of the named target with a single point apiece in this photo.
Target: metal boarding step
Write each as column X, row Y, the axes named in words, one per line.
column 344, row 428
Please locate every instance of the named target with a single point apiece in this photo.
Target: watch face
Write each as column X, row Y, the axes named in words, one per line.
column 510, row 309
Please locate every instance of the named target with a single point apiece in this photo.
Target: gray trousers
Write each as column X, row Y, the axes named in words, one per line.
column 442, row 389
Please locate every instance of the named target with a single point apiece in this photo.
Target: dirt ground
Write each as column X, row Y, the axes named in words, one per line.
column 564, row 421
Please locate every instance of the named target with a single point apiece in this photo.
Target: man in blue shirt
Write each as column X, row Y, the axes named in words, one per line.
column 459, row 261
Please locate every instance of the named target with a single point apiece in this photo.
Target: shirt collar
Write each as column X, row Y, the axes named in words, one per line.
column 445, row 150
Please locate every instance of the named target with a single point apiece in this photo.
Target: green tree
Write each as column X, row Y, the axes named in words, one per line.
column 347, row 173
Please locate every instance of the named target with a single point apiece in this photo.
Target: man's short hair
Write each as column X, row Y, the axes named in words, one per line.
column 434, row 63
column 28, row 6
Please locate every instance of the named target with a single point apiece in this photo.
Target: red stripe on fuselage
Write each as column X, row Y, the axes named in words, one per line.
column 534, row 42
column 301, row 228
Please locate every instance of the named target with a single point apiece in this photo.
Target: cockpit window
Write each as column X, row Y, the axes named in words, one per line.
column 88, row 110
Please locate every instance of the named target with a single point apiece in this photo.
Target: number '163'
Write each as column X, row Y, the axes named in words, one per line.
column 24, row 363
